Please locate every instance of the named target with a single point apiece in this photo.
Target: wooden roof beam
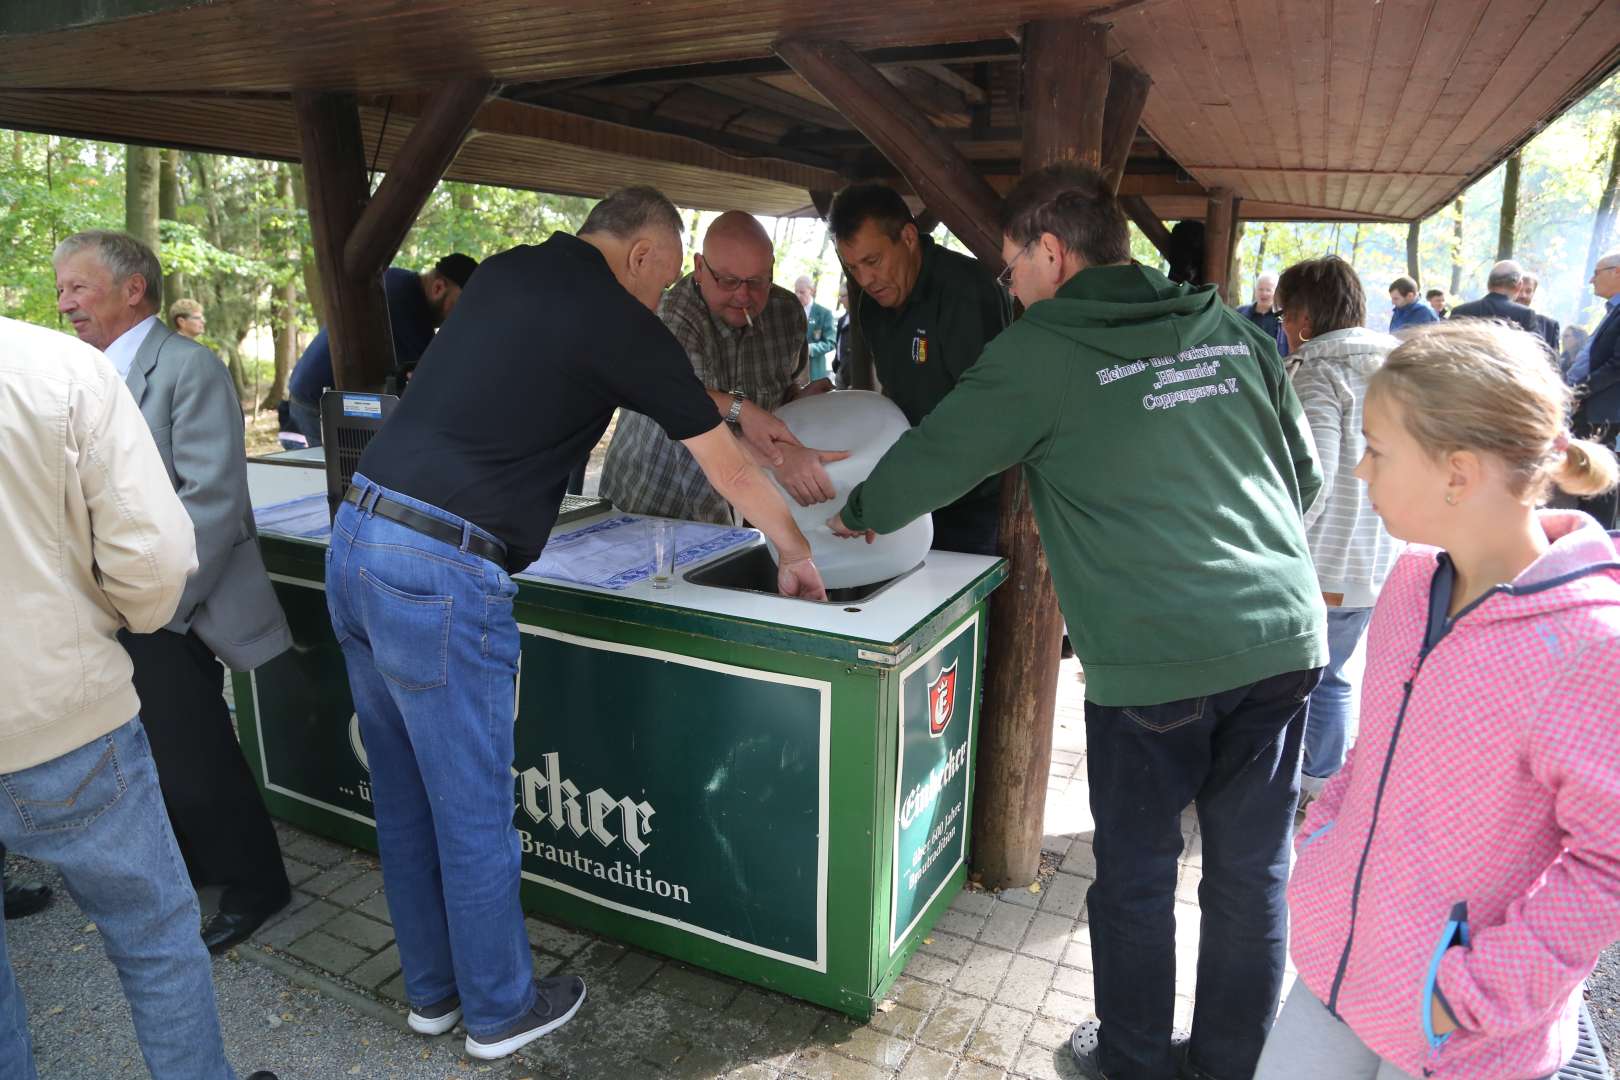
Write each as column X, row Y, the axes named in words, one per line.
column 971, row 91
column 928, row 93
column 937, row 172
column 998, row 48
column 1138, row 210
column 431, row 146
column 1128, row 87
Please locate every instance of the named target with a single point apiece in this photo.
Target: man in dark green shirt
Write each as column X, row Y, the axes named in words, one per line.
column 1169, row 469
column 926, row 314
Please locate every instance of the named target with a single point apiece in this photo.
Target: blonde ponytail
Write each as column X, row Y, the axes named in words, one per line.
column 1588, row 468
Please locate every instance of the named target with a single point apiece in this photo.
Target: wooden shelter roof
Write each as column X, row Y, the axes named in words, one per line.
column 1366, row 109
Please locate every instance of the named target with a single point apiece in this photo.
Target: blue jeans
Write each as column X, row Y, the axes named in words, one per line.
column 1327, row 724
column 96, row 814
column 431, row 647
column 1235, row 756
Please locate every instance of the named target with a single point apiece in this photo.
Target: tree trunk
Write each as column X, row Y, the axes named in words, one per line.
column 1603, row 224
column 284, row 303
column 821, row 256
column 141, row 197
column 1260, row 255
column 174, row 283
column 1510, row 209
column 1413, row 268
column 1355, row 245
column 306, row 253
column 1456, row 251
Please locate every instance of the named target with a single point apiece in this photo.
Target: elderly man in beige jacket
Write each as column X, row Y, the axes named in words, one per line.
column 95, row 540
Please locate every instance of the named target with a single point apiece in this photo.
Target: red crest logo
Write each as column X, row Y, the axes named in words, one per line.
column 942, row 701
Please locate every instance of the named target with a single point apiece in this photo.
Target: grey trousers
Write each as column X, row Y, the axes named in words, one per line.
column 1307, row 1040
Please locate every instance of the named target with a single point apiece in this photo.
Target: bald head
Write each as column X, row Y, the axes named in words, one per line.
column 1606, row 275
column 1505, row 277
column 734, row 271
column 736, row 231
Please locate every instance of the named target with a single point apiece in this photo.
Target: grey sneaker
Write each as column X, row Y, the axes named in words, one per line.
column 558, row 998
column 436, row 1019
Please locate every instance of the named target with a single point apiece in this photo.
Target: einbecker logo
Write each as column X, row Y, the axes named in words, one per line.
column 942, row 701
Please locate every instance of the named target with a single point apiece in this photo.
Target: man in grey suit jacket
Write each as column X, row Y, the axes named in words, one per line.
column 108, row 286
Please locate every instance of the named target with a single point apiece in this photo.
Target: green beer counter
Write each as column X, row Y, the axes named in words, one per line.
column 774, row 789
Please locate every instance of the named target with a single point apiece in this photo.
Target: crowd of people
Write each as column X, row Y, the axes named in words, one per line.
column 1224, row 528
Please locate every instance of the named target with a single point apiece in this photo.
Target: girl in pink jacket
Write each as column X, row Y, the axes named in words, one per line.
column 1456, row 881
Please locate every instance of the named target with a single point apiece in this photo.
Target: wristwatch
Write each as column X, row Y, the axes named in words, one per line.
column 735, row 414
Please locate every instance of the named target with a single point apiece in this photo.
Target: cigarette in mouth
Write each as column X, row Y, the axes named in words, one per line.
column 749, row 317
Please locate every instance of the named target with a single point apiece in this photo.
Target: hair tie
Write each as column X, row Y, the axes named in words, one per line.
column 1561, row 442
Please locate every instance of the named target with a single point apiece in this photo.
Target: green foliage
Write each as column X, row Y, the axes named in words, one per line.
column 480, row 221
column 50, row 189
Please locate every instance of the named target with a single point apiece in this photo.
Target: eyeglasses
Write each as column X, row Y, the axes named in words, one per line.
column 731, row 282
column 1004, row 279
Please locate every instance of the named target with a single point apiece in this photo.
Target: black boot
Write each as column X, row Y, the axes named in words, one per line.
column 26, row 898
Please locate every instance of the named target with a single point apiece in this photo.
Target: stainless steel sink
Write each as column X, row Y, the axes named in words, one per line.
column 753, row 570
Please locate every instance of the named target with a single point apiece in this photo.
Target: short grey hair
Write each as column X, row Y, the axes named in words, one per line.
column 803, row 279
column 1607, row 259
column 122, row 255
column 629, row 211
column 1504, row 274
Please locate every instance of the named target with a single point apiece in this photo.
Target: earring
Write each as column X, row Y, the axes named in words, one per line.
column 1451, row 500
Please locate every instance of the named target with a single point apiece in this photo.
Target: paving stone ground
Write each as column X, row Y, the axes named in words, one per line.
column 992, row 994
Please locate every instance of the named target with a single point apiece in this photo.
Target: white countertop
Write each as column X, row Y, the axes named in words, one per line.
column 888, row 616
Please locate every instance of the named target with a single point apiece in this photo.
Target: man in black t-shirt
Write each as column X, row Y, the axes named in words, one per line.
column 460, row 488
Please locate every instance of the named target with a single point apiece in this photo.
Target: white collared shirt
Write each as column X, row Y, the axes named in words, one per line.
column 122, row 351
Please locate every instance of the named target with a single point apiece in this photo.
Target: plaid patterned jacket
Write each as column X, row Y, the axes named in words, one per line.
column 647, row 472
column 1490, row 766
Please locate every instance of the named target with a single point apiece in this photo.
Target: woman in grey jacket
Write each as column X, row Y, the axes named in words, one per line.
column 1323, row 309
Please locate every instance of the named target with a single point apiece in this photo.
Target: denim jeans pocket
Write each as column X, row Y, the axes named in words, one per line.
column 68, row 792
column 410, row 634
column 1167, row 716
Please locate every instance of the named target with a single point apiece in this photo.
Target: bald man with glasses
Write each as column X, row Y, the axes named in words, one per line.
column 747, row 342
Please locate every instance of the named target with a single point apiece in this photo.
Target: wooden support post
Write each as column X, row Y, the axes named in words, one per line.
column 1234, row 265
column 1128, row 87
column 1218, row 240
column 335, row 180
column 1138, row 210
column 429, row 149
column 934, row 167
column 1066, row 77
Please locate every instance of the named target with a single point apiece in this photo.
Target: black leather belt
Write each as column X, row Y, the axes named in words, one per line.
column 430, row 526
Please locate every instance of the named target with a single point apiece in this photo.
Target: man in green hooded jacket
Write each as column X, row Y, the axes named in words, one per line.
column 1169, row 467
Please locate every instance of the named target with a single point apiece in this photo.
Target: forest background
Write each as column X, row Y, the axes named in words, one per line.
column 233, row 233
